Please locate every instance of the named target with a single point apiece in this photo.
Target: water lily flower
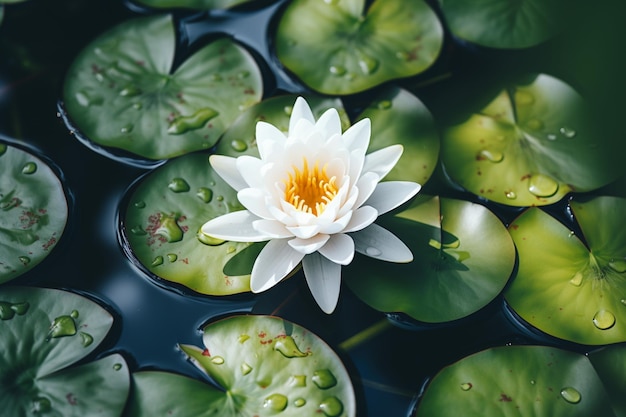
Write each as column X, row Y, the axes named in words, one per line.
column 314, row 195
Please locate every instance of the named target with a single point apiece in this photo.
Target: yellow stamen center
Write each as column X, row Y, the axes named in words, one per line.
column 310, row 190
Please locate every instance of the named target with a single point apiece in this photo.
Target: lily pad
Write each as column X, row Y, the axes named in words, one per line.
column 531, row 145
column 162, row 217
column 505, row 23
column 534, row 381
column 357, row 44
column 33, row 211
column 610, row 364
column 463, row 257
column 42, row 333
column 122, row 92
column 568, row 289
column 194, row 4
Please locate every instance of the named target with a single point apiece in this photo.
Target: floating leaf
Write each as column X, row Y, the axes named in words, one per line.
column 33, row 211
column 463, row 257
column 534, row 381
column 610, row 364
column 42, row 333
column 505, row 23
column 355, row 48
column 194, row 4
column 265, row 366
column 564, row 288
column 120, row 91
column 530, row 146
column 162, row 220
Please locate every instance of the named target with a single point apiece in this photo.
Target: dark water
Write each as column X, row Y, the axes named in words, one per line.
column 38, row 40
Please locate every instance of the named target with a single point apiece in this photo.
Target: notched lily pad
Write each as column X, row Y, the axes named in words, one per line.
column 463, row 257
column 357, row 48
column 121, row 91
column 42, row 333
column 194, row 4
column 564, row 287
column 265, row 366
column 517, row 380
column 162, row 217
column 33, row 211
column 531, row 145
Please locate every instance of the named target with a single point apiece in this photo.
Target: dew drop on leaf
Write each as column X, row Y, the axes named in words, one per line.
column 571, row 395
column 577, row 279
column 29, row 168
column 542, row 185
column 178, row 185
column 604, row 320
column 324, row 379
column 466, row 386
column 275, row 402
column 331, row 407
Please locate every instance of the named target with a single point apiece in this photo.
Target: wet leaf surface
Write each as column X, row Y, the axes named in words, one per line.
column 194, row 4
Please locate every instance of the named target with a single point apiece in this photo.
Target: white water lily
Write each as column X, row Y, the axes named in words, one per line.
column 314, row 194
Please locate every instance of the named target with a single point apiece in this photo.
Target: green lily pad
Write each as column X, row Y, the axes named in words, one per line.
column 357, row 48
column 530, row 146
column 162, row 220
column 534, row 381
column 463, row 257
column 399, row 117
column 504, row 23
column 194, row 4
column 568, row 289
column 239, row 139
column 33, row 211
column 42, row 333
column 610, row 364
column 120, row 92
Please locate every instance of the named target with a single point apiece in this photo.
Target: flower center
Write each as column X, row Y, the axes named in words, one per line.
column 309, row 189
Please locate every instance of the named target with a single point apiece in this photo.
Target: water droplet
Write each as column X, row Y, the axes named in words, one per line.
column 337, row 70
column 230, row 249
column 577, row 279
column 140, row 204
column 205, row 194
column 183, row 124
column 130, row 91
column 532, row 382
column 534, row 124
column 567, row 132
column 466, row 386
column 275, row 402
column 41, row 405
column 137, row 106
column 217, row 360
column 542, row 185
column 62, row 326
column 372, row 251
column 86, row 339
column 571, row 395
column 523, row 98
column 3, row 148
column 29, row 168
column 299, row 402
column 242, row 338
column 604, row 320
column 74, row 314
column 324, row 379
column 170, row 229
column 138, row 231
column 157, row 261
column 492, row 156
column 127, row 128
column 172, row 257
column 297, row 381
column 208, row 240
column 6, row 312
column 384, row 105
column 331, row 407
column 287, row 346
column 243, row 74
column 220, row 198
column 25, row 260
column 117, row 366
column 551, row 136
column 367, row 64
column 245, row 368
column 178, row 185
column 511, row 195
column 20, row 308
column 238, row 145
column 618, row 265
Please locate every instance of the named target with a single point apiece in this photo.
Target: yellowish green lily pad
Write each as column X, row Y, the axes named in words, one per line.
column 568, row 286
column 264, row 366
column 122, row 92
column 530, row 146
column 43, row 332
column 33, row 211
column 356, row 44
column 463, row 257
column 536, row 381
column 162, row 215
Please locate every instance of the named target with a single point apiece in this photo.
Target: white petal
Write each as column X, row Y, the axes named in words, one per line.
column 358, row 135
column 255, row 200
column 304, row 232
column 390, row 194
column 329, row 122
column 383, row 160
column 357, row 160
column 250, row 169
column 272, row 228
column 267, row 135
column 226, row 167
column 282, row 217
column 338, row 225
column 367, row 185
column 306, row 246
column 301, row 110
column 235, row 226
column 276, row 260
column 361, row 218
column 378, row 242
column 324, row 279
column 339, row 249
